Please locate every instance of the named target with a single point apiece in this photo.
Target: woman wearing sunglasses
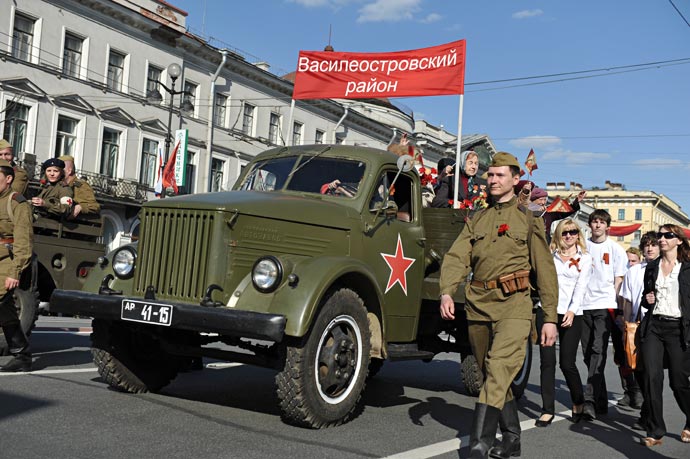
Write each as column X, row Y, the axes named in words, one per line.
column 665, row 331
column 574, row 267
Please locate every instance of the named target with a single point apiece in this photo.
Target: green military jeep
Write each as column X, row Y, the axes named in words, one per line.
column 321, row 263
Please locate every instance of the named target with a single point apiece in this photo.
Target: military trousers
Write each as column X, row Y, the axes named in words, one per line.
column 8, row 311
column 499, row 348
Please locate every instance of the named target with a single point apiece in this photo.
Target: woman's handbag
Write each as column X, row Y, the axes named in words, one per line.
column 629, row 343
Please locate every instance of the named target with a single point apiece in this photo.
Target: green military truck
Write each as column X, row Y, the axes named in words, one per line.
column 321, row 263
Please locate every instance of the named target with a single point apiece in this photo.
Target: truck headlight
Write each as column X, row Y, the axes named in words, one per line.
column 267, row 274
column 123, row 262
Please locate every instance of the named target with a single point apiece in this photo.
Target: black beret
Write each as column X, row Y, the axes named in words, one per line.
column 53, row 162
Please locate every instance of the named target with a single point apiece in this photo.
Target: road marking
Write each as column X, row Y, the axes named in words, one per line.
column 57, row 331
column 51, row 372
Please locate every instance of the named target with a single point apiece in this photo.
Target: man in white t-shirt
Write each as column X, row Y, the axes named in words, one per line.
column 630, row 296
column 609, row 264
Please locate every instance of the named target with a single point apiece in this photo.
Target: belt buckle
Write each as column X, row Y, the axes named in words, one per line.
column 486, row 285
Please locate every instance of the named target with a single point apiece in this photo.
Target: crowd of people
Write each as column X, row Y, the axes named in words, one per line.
column 62, row 195
column 584, row 290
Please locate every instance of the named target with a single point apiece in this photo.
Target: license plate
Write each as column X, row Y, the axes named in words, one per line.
column 147, row 312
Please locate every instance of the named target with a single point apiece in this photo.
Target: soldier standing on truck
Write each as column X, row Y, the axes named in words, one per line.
column 16, row 241
column 55, row 199
column 85, row 203
column 500, row 246
column 21, row 178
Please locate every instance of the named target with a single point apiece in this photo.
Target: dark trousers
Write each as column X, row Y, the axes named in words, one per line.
column 568, row 339
column 596, row 329
column 663, row 339
column 8, row 311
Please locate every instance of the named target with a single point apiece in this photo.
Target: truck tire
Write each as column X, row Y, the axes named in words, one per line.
column 473, row 378
column 325, row 371
column 130, row 361
column 26, row 303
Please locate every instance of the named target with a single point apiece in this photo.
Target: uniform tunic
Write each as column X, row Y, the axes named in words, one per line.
column 21, row 180
column 84, row 195
column 52, row 193
column 19, row 228
column 482, row 250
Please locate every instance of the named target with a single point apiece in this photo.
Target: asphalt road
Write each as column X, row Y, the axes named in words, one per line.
column 410, row 410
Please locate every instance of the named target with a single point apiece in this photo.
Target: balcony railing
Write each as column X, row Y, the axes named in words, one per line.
column 105, row 187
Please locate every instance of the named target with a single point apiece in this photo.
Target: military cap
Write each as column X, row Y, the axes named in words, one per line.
column 4, row 144
column 5, row 163
column 67, row 158
column 53, row 162
column 504, row 159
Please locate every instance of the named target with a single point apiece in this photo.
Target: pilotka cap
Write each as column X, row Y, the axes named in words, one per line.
column 66, row 158
column 5, row 163
column 504, row 159
column 4, row 144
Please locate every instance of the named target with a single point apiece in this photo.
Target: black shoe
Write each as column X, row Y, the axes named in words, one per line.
column 624, row 402
column 576, row 417
column 541, row 423
column 510, row 429
column 17, row 364
column 588, row 412
column 636, row 401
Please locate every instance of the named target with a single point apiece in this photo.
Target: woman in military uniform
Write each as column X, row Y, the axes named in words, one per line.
column 16, row 238
column 55, row 199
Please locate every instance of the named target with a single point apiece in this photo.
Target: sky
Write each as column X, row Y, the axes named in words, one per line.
column 627, row 122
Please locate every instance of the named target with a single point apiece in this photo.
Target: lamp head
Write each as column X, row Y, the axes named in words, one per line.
column 174, row 70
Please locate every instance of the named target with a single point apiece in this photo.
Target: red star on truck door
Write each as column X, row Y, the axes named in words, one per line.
column 399, row 264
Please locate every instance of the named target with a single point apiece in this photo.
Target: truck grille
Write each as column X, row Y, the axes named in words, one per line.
column 173, row 250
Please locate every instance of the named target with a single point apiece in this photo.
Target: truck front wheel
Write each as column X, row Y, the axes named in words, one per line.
column 130, row 360
column 324, row 372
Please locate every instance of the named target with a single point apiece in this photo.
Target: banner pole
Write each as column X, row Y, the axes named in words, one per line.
column 289, row 126
column 458, row 153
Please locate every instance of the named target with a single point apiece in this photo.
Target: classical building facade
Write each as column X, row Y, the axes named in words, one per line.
column 628, row 208
column 80, row 77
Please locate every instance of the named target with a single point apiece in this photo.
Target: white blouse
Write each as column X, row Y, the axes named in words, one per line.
column 573, row 278
column 668, row 293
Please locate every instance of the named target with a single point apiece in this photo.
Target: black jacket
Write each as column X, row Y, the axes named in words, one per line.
column 651, row 272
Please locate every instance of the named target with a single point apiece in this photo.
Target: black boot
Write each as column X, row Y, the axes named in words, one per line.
column 483, row 433
column 18, row 347
column 510, row 428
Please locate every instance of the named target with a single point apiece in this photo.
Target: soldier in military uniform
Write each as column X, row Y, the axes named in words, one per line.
column 21, row 178
column 500, row 246
column 85, row 203
column 16, row 238
column 55, row 198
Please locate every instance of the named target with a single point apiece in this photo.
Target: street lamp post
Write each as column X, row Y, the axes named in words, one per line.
column 155, row 97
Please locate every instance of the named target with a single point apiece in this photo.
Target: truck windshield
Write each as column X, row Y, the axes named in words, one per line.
column 313, row 176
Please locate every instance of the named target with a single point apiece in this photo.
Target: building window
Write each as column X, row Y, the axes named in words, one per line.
column 16, row 122
column 297, row 133
column 620, row 238
column 71, row 58
column 274, row 128
column 248, row 119
column 217, row 166
column 109, row 152
column 318, row 138
column 621, row 214
column 153, row 77
column 221, row 104
column 637, row 236
column 22, row 37
column 66, row 138
column 638, row 214
column 116, row 70
column 189, row 95
column 149, row 155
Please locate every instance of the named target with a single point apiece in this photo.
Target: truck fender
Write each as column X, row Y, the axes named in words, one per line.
column 300, row 301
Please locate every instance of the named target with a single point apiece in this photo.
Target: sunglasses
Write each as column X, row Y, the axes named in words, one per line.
column 666, row 235
column 572, row 232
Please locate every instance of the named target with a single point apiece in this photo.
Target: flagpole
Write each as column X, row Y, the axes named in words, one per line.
column 458, row 152
column 289, row 126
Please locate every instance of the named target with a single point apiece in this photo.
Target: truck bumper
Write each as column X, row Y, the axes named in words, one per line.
column 225, row 321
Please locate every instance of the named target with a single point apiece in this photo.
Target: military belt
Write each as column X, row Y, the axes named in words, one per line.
column 7, row 241
column 487, row 285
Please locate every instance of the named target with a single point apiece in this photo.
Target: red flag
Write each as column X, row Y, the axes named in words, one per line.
column 169, row 171
column 559, row 205
column 434, row 71
column 531, row 162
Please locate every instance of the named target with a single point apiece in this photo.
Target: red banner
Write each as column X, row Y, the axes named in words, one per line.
column 435, row 71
